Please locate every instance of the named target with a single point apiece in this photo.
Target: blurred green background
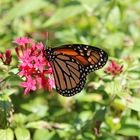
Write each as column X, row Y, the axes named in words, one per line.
column 108, row 108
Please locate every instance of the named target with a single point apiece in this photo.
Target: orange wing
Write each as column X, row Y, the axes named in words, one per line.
column 92, row 58
column 71, row 63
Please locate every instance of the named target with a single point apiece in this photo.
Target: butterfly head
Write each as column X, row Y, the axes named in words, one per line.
column 49, row 54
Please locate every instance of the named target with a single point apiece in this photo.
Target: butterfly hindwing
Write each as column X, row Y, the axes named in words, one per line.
column 69, row 75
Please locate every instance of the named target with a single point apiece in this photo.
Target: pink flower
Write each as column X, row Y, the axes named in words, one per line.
column 51, row 83
column 33, row 65
column 6, row 58
column 23, row 41
column 114, row 68
column 30, row 84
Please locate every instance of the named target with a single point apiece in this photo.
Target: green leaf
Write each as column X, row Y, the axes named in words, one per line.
column 118, row 104
column 118, row 37
column 89, row 97
column 133, row 84
column 14, row 71
column 129, row 130
column 43, row 124
column 113, row 87
column 131, row 121
column 38, row 125
column 24, row 7
column 99, row 115
column 20, row 118
column 90, row 4
column 9, row 91
column 6, row 110
column 133, row 103
column 63, row 14
column 113, row 123
column 43, row 133
column 36, row 106
column 22, row 134
column 6, row 134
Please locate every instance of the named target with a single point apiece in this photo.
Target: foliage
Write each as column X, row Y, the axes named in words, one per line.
column 108, row 107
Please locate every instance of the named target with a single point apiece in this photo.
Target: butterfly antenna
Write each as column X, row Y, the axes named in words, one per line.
column 47, row 40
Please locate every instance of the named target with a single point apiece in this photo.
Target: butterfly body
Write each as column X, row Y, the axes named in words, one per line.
column 71, row 63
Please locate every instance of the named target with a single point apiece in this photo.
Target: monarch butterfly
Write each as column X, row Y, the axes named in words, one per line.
column 71, row 63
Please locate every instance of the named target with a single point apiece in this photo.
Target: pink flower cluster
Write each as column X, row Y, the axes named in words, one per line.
column 114, row 68
column 33, row 65
column 6, row 58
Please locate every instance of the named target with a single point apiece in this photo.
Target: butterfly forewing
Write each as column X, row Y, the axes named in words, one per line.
column 71, row 63
column 92, row 58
